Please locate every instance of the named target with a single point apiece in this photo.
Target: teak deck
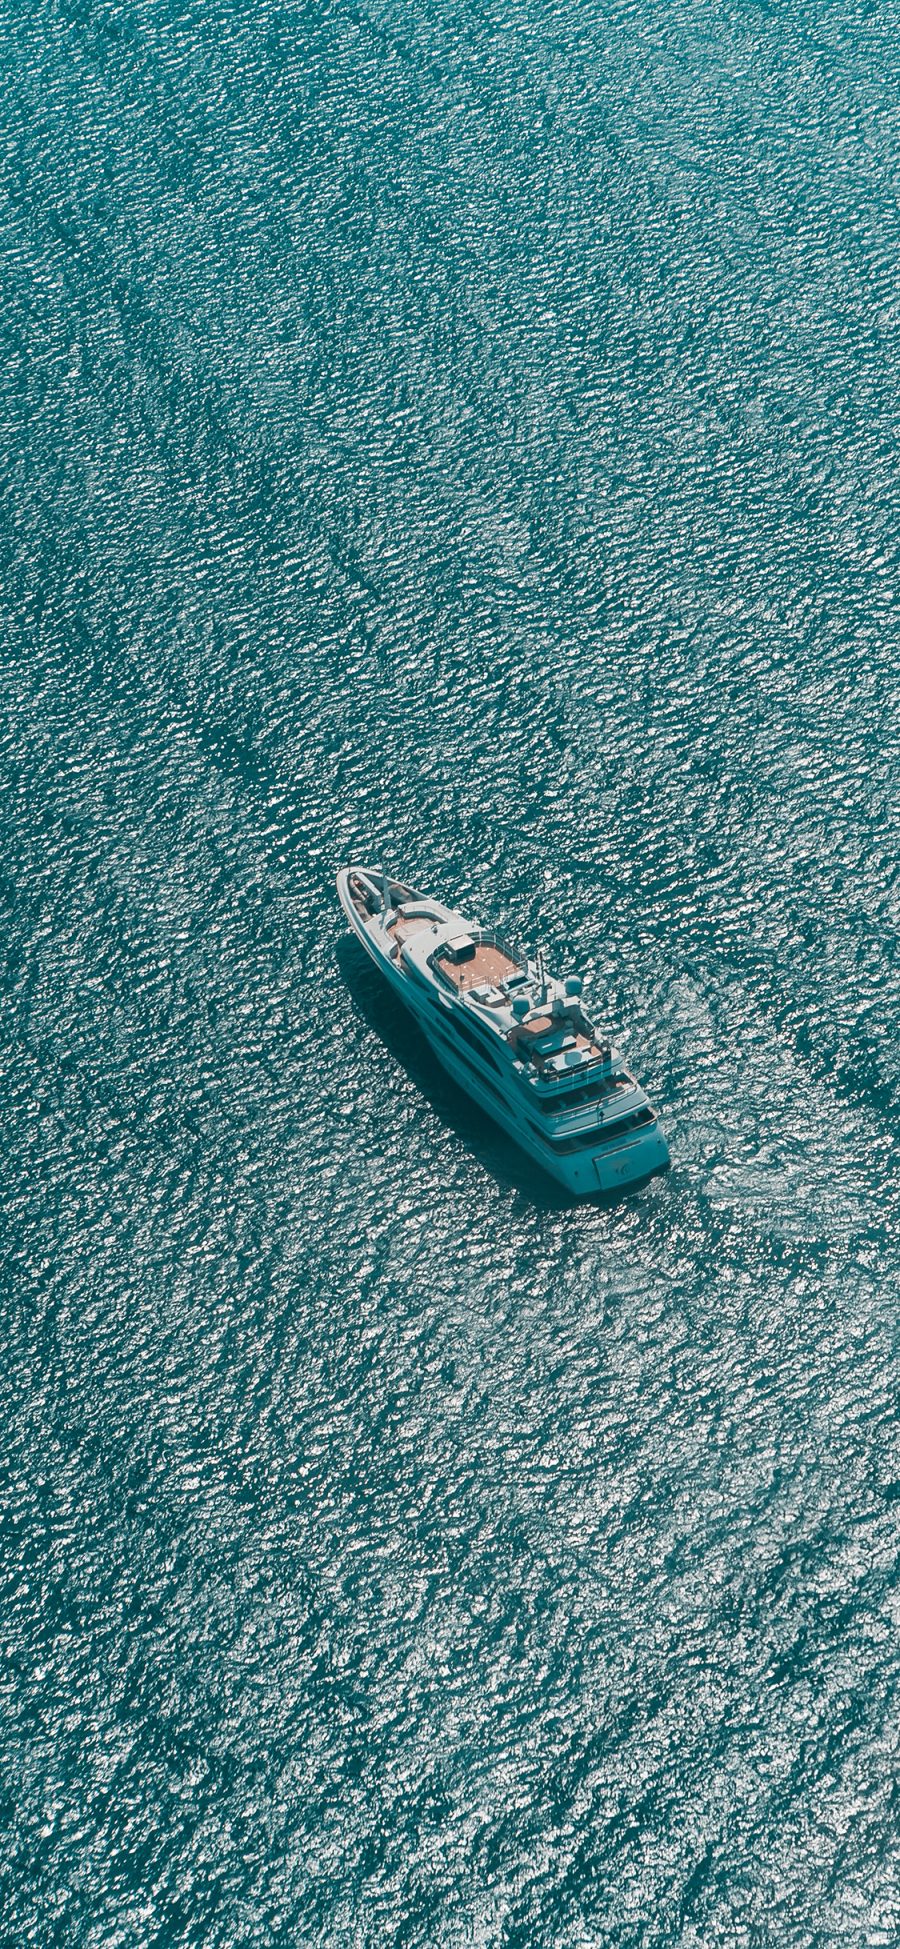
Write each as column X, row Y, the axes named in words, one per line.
column 405, row 925
column 487, row 964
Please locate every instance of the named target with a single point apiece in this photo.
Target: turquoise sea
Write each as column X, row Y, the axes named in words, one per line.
column 465, row 434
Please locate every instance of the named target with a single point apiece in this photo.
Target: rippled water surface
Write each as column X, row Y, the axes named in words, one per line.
column 467, row 435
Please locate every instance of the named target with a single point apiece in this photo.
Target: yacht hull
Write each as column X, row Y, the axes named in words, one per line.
column 606, row 1165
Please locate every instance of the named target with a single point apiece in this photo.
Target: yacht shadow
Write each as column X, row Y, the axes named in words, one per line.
column 494, row 1149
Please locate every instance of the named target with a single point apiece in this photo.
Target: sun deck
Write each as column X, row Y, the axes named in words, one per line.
column 406, row 925
column 489, row 966
column 538, row 1026
column 557, row 1048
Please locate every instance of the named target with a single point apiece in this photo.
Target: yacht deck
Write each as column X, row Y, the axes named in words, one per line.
column 405, row 925
column 487, row 965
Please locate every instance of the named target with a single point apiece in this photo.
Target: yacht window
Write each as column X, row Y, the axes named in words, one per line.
column 602, row 1133
column 462, row 1055
column 553, row 1106
column 471, row 1036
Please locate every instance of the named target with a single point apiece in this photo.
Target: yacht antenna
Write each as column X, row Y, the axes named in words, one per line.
column 385, row 890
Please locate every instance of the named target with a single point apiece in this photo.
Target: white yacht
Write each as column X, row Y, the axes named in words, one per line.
column 516, row 1040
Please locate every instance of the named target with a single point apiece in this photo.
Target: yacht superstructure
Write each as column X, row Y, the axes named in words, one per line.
column 514, row 1038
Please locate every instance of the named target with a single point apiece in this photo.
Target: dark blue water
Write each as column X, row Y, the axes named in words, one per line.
column 469, row 436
